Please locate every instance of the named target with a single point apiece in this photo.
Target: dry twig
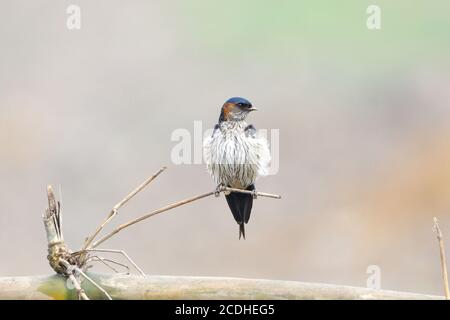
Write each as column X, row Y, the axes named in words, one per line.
column 116, row 208
column 122, row 287
column 175, row 205
column 442, row 254
column 71, row 264
column 69, row 272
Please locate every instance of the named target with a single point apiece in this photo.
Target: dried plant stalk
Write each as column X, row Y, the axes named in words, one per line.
column 124, row 287
column 175, row 205
column 443, row 259
column 116, row 208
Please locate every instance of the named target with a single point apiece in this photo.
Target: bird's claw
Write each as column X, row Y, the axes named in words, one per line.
column 255, row 194
column 218, row 190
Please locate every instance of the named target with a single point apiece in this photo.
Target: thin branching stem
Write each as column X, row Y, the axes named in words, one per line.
column 71, row 276
column 259, row 194
column 175, row 205
column 120, row 204
column 443, row 259
column 93, row 282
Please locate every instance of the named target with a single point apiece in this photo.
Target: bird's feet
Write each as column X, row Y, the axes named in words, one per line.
column 255, row 194
column 218, row 190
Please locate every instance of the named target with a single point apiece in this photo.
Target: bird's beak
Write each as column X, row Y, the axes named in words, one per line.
column 252, row 109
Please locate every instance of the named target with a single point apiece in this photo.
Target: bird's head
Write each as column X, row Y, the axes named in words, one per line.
column 235, row 109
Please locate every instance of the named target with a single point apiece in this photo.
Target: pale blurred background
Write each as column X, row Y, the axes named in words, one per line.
column 363, row 118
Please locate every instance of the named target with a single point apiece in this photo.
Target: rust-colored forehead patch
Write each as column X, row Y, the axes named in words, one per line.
column 226, row 109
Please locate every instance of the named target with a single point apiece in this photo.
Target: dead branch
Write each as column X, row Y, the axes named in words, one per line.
column 72, row 265
column 71, row 276
column 259, row 194
column 57, row 248
column 175, row 205
column 116, row 208
column 178, row 287
column 442, row 254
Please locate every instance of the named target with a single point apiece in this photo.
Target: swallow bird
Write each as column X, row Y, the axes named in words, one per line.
column 235, row 156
